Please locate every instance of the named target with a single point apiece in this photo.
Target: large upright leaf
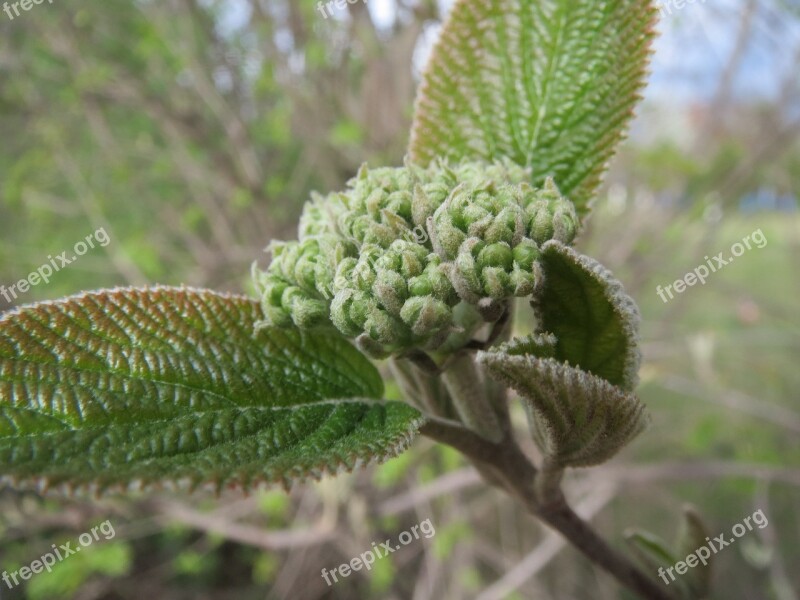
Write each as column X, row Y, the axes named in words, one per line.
column 143, row 386
column 550, row 84
column 595, row 323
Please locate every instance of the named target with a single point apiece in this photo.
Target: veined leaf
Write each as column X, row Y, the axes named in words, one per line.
column 144, row 386
column 577, row 419
column 550, row 84
column 595, row 323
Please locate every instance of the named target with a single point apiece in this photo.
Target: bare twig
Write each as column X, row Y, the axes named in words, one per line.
column 504, row 465
column 546, row 550
column 246, row 534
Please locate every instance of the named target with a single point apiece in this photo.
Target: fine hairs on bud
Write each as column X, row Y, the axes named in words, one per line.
column 387, row 260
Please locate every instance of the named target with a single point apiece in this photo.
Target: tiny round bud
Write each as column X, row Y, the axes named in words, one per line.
column 426, row 316
column 420, row 286
column 550, row 215
column 496, row 255
column 350, row 310
column 525, row 253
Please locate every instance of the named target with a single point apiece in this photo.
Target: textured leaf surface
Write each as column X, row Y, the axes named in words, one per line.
column 144, row 386
column 595, row 323
column 577, row 419
column 550, row 84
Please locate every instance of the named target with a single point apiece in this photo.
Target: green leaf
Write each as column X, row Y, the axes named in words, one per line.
column 655, row 555
column 142, row 386
column 550, row 84
column 595, row 323
column 691, row 537
column 649, row 549
column 540, row 346
column 577, row 419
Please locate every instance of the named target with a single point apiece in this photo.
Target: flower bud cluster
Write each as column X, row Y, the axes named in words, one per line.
column 415, row 257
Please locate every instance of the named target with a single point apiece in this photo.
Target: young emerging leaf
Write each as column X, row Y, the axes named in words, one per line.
column 577, row 419
column 655, row 555
column 537, row 345
column 143, row 386
column 595, row 323
column 692, row 536
column 650, row 550
column 550, row 84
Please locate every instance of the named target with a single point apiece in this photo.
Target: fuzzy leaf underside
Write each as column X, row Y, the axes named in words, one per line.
column 549, row 84
column 594, row 322
column 577, row 419
column 133, row 387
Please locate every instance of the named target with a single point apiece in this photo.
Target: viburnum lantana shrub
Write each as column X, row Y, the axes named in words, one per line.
column 519, row 109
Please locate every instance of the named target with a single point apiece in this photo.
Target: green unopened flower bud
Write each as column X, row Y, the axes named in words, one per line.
column 415, row 257
column 486, row 211
column 386, row 329
column 350, row 310
column 306, row 312
column 434, row 281
column 316, row 216
column 551, row 216
column 525, row 253
column 420, row 286
column 391, row 290
column 524, row 281
column 496, row 255
column 310, row 264
column 425, row 315
column 427, row 198
column 271, row 288
column 496, row 283
column 490, row 271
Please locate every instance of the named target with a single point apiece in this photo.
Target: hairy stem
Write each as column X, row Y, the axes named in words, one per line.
column 504, row 465
column 469, row 398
